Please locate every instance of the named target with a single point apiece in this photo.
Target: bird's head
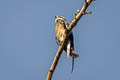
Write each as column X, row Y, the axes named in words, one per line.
column 60, row 19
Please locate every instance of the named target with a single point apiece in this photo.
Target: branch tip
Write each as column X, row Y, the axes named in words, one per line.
column 89, row 12
column 78, row 10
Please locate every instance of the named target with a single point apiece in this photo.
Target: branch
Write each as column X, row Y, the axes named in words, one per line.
column 79, row 15
column 70, row 27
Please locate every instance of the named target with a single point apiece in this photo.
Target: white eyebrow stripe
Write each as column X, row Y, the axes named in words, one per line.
column 57, row 19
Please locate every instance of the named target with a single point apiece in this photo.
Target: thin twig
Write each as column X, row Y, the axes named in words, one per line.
column 70, row 27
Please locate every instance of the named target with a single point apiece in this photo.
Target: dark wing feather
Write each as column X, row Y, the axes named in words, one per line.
column 72, row 40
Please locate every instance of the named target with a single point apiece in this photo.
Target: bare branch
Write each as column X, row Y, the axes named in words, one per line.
column 89, row 12
column 70, row 27
column 79, row 15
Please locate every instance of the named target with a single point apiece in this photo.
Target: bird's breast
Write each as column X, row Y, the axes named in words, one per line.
column 60, row 32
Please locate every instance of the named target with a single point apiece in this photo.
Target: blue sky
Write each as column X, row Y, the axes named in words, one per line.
column 28, row 46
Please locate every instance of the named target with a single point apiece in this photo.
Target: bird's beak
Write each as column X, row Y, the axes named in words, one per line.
column 55, row 17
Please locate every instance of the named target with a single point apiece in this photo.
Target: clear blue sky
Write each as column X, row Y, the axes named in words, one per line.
column 28, row 46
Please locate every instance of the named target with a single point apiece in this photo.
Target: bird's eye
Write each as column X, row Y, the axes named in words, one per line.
column 58, row 20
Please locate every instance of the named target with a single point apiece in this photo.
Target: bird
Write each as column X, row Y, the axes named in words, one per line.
column 61, row 31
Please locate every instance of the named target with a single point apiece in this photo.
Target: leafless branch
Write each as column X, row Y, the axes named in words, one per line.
column 70, row 27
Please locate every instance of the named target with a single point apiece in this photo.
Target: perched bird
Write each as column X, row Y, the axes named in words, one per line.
column 61, row 30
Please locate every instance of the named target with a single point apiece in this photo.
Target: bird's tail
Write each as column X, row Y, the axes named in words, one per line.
column 74, row 55
column 72, row 64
